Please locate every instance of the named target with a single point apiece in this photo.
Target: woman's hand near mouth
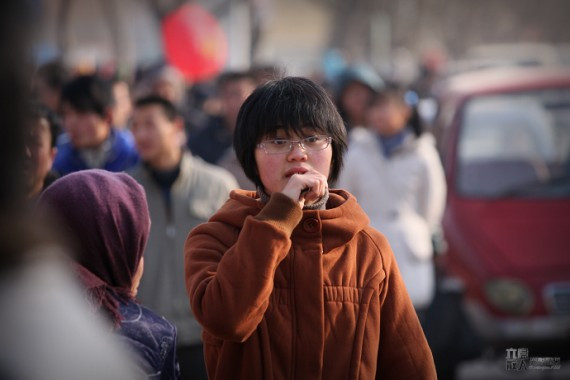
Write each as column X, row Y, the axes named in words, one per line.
column 305, row 187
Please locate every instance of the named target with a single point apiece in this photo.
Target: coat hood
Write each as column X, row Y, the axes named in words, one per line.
column 341, row 221
column 107, row 216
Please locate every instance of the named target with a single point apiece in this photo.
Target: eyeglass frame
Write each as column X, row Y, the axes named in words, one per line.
column 296, row 142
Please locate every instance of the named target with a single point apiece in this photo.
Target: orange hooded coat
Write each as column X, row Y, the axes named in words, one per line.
column 285, row 293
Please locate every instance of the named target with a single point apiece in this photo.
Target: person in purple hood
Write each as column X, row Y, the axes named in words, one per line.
column 107, row 217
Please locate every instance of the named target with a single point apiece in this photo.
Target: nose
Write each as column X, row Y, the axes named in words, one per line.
column 297, row 153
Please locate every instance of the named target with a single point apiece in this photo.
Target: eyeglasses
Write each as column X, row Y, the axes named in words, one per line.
column 309, row 144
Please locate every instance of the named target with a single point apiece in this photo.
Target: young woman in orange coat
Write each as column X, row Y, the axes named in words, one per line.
column 290, row 281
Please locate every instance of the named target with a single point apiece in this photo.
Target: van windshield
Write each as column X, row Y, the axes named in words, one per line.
column 516, row 145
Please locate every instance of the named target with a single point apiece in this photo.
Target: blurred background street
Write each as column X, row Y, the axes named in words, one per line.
column 490, row 81
column 393, row 36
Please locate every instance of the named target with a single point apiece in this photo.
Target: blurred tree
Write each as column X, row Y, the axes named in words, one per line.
column 457, row 24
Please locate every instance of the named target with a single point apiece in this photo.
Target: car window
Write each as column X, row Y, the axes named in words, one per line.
column 516, row 145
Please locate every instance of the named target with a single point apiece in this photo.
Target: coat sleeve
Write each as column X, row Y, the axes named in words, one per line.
column 403, row 352
column 229, row 284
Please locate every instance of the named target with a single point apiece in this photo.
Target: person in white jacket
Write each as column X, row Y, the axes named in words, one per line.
column 394, row 170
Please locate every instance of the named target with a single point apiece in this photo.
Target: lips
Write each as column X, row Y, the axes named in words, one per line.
column 296, row 170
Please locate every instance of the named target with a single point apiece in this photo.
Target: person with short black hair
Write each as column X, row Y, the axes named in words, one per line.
column 290, row 281
column 169, row 109
column 182, row 191
column 90, row 140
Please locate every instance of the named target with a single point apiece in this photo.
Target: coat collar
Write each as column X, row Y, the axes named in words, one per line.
column 340, row 222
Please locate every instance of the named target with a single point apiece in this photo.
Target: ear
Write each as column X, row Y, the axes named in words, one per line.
column 53, row 153
column 180, row 129
column 179, row 124
column 108, row 116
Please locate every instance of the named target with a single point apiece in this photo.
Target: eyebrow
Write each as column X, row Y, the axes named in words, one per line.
column 282, row 132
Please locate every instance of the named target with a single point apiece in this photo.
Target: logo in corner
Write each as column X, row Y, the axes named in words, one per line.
column 518, row 359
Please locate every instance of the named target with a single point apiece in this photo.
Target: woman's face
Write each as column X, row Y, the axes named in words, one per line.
column 275, row 170
column 354, row 99
column 388, row 118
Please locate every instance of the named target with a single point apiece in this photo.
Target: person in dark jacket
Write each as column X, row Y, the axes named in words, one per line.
column 107, row 216
column 214, row 140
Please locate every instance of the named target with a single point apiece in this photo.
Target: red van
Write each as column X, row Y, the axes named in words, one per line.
column 504, row 138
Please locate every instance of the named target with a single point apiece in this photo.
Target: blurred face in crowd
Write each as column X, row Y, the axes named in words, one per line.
column 232, row 96
column 46, row 95
column 123, row 106
column 353, row 100
column 39, row 156
column 167, row 90
column 157, row 138
column 388, row 117
column 85, row 129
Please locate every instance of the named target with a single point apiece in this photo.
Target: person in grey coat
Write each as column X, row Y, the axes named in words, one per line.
column 182, row 192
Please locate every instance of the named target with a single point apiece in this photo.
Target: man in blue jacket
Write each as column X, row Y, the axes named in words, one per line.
column 90, row 141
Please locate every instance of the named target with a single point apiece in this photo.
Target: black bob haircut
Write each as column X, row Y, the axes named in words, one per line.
column 291, row 104
column 169, row 109
column 88, row 93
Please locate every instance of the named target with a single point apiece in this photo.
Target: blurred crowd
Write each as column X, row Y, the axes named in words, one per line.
column 89, row 114
column 119, row 168
column 175, row 139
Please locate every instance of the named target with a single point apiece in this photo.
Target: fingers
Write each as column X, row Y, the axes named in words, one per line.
column 315, row 189
column 306, row 188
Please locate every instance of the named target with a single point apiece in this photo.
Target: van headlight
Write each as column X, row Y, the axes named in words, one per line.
column 509, row 295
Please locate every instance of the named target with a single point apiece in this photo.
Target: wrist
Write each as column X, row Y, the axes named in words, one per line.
column 282, row 210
